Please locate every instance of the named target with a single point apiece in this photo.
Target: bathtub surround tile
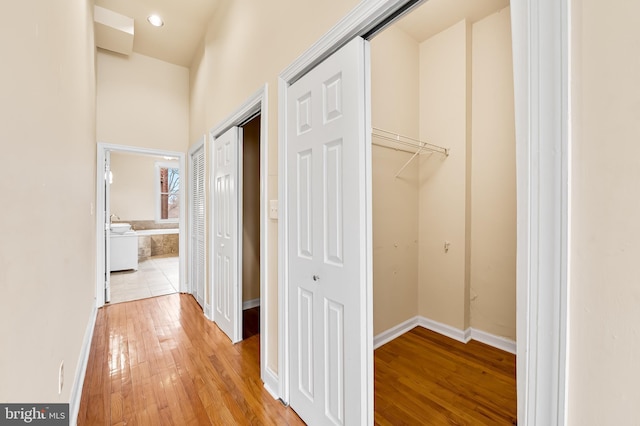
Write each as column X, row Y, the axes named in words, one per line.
column 157, row 245
column 139, row 225
column 144, row 247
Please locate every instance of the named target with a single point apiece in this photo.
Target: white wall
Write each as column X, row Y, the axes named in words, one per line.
column 468, row 198
column 493, row 179
column 604, row 288
column 442, row 208
column 142, row 102
column 47, row 181
column 133, row 191
column 394, row 107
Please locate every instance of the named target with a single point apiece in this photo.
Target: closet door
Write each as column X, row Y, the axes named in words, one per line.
column 198, row 231
column 327, row 228
column 227, row 222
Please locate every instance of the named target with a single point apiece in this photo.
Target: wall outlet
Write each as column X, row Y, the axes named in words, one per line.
column 61, row 377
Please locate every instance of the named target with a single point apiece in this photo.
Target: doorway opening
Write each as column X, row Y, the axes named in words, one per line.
column 144, row 197
column 444, row 209
column 251, row 231
column 249, row 290
column 542, row 209
column 140, row 223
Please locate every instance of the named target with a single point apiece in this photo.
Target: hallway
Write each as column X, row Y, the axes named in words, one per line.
column 159, row 361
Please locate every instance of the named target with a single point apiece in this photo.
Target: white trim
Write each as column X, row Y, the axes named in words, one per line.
column 100, row 214
column 256, row 103
column 395, row 332
column 252, row 106
column 250, row 304
column 463, row 336
column 270, row 389
column 540, row 59
column 81, row 368
column 498, row 342
column 208, row 311
column 446, row 330
column 364, row 17
column 283, row 252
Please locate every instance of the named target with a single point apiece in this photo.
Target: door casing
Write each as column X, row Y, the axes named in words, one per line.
column 256, row 104
column 103, row 149
column 540, row 41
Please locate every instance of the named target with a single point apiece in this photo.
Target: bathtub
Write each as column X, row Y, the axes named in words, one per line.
column 156, row 242
column 144, row 232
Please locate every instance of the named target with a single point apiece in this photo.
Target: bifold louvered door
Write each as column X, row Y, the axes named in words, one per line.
column 197, row 219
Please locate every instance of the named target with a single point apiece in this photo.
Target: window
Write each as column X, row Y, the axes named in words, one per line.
column 167, row 192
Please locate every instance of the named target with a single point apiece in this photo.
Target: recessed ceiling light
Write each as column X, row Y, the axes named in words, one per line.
column 155, row 20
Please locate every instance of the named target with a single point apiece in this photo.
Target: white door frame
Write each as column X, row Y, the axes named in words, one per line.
column 255, row 104
column 206, row 308
column 100, row 213
column 541, row 77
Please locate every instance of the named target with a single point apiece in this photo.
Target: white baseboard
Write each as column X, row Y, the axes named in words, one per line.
column 81, row 369
column 444, row 329
column 394, row 332
column 248, row 304
column 503, row 343
column 463, row 336
column 208, row 313
column 270, row 379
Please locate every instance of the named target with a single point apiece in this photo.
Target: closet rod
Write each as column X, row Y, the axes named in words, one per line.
column 407, row 141
column 417, row 145
column 409, row 149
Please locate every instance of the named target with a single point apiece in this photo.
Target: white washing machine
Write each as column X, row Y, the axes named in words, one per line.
column 124, row 251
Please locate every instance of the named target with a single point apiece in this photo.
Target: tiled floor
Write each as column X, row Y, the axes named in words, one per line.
column 156, row 276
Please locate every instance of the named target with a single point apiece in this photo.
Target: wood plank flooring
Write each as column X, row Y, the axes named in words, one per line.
column 159, row 361
column 425, row 378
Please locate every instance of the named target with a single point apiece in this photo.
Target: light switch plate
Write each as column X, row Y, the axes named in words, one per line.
column 273, row 209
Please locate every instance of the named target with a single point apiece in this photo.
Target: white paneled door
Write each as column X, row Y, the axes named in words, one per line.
column 227, row 193
column 198, row 221
column 327, row 231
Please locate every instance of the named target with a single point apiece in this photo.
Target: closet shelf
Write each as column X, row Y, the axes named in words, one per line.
column 406, row 144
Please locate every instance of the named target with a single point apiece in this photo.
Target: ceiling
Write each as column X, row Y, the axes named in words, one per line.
column 435, row 16
column 185, row 23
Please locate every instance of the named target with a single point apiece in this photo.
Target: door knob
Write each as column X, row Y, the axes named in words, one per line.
column 316, row 278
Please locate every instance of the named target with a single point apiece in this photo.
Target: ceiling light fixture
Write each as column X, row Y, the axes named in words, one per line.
column 155, row 20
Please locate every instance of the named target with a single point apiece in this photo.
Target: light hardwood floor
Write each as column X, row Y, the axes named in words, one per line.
column 159, row 361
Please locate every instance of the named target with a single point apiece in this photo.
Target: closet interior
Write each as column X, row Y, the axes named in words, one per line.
column 443, row 173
